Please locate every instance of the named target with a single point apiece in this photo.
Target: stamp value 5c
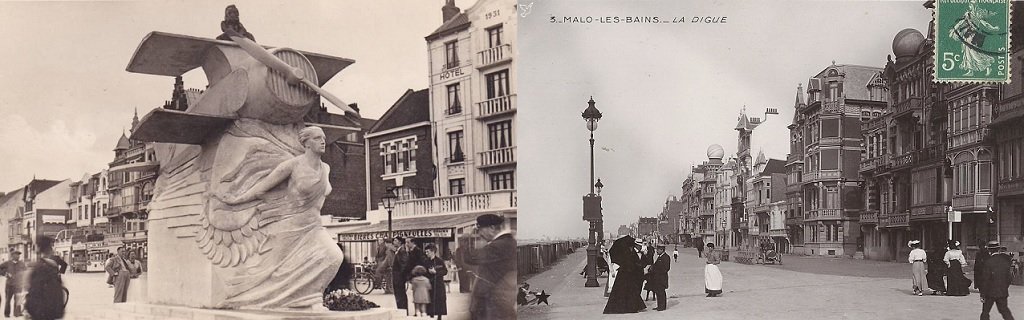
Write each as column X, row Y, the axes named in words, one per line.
column 972, row 41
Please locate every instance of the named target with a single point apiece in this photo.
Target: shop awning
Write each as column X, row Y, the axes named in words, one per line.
column 440, row 226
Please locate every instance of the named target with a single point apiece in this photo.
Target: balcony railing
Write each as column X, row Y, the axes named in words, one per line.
column 930, row 153
column 903, row 160
column 494, row 55
column 818, row 214
column 972, row 202
column 869, row 217
column 874, row 124
column 821, row 175
column 899, row 220
column 1011, row 187
column 928, row 212
column 497, row 157
column 135, row 235
column 830, row 213
column 1008, row 110
column 833, row 106
column 497, row 106
column 966, row 138
column 906, row 106
column 463, row 203
column 873, row 163
column 113, row 211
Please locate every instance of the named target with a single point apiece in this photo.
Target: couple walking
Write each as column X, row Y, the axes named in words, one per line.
column 625, row 295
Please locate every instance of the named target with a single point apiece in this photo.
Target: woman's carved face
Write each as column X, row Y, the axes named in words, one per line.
column 316, row 142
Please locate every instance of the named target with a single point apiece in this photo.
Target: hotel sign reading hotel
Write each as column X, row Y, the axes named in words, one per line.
column 418, row 233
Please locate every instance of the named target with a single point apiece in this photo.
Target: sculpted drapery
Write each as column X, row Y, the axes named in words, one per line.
column 261, row 225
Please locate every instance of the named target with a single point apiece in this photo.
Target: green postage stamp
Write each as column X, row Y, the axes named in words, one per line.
column 972, row 41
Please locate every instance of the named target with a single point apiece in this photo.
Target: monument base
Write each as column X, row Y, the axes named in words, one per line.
column 153, row 311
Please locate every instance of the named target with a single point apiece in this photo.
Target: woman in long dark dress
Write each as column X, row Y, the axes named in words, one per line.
column 625, row 295
column 438, row 298
column 936, row 272
column 957, row 283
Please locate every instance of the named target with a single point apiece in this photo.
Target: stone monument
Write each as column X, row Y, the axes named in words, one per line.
column 235, row 217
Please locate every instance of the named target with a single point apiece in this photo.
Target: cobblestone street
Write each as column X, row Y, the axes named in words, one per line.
column 802, row 288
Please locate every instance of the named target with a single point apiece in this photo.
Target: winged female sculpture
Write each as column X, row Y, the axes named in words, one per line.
column 262, row 224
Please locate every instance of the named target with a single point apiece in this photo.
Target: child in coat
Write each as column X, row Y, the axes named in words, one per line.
column 420, row 290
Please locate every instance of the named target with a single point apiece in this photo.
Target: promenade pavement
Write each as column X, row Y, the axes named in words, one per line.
column 89, row 293
column 802, row 288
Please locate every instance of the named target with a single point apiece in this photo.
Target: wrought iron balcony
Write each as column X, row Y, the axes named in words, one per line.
column 899, row 220
column 869, row 217
column 497, row 157
column 903, row 161
column 495, row 55
column 496, row 106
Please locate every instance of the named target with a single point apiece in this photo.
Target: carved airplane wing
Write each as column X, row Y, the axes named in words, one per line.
column 230, row 234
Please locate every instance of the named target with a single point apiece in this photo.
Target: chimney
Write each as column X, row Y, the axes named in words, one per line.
column 354, row 106
column 449, row 10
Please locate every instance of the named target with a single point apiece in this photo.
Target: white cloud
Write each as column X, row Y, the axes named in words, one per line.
column 51, row 151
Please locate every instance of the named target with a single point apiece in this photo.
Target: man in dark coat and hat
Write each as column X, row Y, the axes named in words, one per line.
column 625, row 295
column 995, row 282
column 494, row 295
column 657, row 278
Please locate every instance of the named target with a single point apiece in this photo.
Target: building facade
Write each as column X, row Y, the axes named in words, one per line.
column 45, row 213
column 400, row 151
column 728, row 229
column 830, row 141
column 794, row 176
column 1008, row 140
column 472, row 153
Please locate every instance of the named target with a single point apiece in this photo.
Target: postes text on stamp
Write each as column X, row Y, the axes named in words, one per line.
column 972, row 41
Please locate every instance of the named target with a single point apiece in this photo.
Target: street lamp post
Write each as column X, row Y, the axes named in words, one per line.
column 389, row 199
column 592, row 202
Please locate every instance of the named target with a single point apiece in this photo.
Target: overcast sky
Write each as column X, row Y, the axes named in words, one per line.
column 668, row 91
column 66, row 96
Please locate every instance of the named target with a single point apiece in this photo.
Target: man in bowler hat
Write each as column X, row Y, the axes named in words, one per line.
column 996, row 282
column 494, row 295
column 657, row 278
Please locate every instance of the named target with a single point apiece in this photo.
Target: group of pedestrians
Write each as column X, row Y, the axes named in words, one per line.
column 494, row 289
column 425, row 271
column 944, row 274
column 35, row 288
column 640, row 267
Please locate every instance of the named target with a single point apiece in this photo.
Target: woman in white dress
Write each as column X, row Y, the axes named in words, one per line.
column 712, row 276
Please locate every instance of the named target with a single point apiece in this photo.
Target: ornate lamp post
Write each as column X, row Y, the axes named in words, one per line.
column 389, row 199
column 592, row 202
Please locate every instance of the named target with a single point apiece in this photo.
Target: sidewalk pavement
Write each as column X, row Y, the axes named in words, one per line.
column 89, row 293
column 838, row 289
